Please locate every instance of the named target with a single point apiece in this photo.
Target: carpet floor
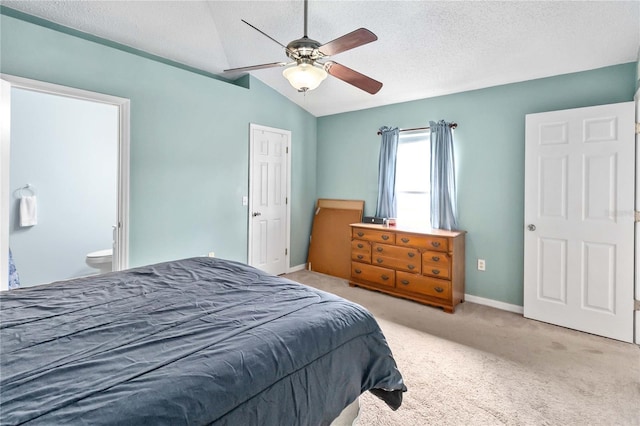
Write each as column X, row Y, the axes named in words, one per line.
column 485, row 366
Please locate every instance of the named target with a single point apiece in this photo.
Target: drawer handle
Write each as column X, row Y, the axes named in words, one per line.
column 357, row 271
column 435, row 243
column 439, row 289
column 404, row 240
column 360, row 245
column 379, row 260
column 411, row 254
column 435, row 271
column 379, row 249
column 435, row 258
column 360, row 234
column 360, row 256
column 411, row 267
column 405, row 282
column 385, row 237
column 384, row 277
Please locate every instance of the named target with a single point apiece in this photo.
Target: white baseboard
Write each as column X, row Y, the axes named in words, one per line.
column 297, row 268
column 468, row 297
column 494, row 304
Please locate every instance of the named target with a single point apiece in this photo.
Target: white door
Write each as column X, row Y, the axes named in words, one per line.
column 269, row 192
column 579, row 222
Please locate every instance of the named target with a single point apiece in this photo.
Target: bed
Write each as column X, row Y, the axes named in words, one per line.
column 190, row 342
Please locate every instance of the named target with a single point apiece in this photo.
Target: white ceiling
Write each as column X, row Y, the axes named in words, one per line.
column 424, row 48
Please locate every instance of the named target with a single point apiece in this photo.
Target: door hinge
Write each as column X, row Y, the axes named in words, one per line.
column 286, row 251
column 636, row 305
column 636, row 216
column 287, row 149
column 286, row 200
column 637, row 128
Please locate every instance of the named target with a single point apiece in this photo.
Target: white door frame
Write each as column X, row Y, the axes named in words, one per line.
column 253, row 127
column 5, row 123
column 121, row 232
column 637, row 224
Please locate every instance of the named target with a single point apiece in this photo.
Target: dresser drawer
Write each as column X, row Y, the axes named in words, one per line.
column 403, row 253
column 422, row 241
column 361, row 257
column 361, row 251
column 436, row 264
column 434, row 271
column 374, row 274
column 374, row 235
column 406, row 264
column 424, row 285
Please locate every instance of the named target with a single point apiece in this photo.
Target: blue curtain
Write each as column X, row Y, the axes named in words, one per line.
column 386, row 206
column 444, row 208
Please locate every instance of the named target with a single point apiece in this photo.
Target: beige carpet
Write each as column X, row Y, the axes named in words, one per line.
column 484, row 366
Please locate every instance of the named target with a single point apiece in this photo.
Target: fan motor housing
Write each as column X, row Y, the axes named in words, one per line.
column 304, row 48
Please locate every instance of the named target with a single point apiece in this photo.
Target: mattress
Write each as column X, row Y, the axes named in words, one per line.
column 190, row 342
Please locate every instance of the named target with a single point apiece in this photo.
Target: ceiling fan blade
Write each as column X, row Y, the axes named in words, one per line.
column 257, row 67
column 270, row 38
column 348, row 41
column 353, row 77
column 263, row 33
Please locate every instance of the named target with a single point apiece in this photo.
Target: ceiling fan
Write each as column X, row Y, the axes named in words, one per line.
column 310, row 67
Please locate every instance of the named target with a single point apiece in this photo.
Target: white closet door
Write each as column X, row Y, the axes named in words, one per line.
column 579, row 224
column 268, row 221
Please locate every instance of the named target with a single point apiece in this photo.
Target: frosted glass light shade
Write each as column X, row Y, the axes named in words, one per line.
column 304, row 77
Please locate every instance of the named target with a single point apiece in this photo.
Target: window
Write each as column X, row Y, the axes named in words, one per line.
column 413, row 176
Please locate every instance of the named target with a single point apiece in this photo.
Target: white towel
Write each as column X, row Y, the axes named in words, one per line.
column 28, row 210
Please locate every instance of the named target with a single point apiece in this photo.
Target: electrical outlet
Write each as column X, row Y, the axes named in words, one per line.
column 212, row 254
column 481, row 265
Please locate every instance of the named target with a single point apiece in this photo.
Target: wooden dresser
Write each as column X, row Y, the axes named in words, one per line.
column 422, row 265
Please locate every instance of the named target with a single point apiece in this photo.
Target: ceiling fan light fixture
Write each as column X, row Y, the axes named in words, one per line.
column 304, row 76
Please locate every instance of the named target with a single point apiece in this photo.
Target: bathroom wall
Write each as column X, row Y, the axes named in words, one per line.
column 67, row 150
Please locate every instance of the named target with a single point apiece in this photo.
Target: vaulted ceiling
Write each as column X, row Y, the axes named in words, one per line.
column 424, row 48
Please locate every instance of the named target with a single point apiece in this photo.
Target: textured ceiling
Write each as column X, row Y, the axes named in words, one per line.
column 424, row 48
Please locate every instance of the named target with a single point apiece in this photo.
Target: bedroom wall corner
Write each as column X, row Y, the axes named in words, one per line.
column 489, row 149
column 189, row 141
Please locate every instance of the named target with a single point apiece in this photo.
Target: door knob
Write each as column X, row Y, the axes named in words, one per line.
column 256, row 214
column 531, row 227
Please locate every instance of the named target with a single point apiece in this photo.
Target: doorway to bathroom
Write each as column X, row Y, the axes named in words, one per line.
column 69, row 156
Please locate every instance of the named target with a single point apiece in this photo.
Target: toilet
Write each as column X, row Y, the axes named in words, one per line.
column 101, row 260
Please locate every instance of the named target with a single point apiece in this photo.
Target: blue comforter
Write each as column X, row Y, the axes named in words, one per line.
column 190, row 342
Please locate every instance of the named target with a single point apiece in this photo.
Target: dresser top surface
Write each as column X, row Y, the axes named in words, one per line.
column 410, row 229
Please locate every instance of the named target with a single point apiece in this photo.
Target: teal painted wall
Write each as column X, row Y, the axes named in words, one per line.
column 189, row 142
column 189, row 149
column 638, row 71
column 489, row 149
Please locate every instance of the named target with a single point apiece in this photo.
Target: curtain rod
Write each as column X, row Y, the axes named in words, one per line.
column 452, row 125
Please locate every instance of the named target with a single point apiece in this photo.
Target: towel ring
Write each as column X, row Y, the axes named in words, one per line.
column 27, row 187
